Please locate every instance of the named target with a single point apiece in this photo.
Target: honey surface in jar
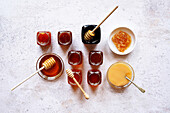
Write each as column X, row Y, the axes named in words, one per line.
column 122, row 40
column 117, row 72
column 64, row 37
column 74, row 57
column 94, row 77
column 43, row 38
column 54, row 70
column 95, row 58
column 77, row 75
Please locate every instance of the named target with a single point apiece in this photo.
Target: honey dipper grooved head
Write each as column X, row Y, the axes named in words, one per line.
column 89, row 35
column 49, row 63
column 69, row 73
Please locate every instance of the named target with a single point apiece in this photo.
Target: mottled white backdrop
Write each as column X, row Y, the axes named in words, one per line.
column 21, row 19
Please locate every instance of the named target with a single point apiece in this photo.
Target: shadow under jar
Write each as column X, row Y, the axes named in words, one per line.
column 54, row 72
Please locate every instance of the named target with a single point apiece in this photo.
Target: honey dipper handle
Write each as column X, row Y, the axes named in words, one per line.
column 104, row 19
column 85, row 94
column 27, row 78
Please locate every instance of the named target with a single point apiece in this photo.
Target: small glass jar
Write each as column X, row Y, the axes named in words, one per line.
column 95, row 39
column 94, row 77
column 123, row 72
column 95, row 58
column 77, row 75
column 75, row 57
column 64, row 37
column 43, row 38
column 54, row 72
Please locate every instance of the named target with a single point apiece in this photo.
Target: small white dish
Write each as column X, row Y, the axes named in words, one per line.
column 130, row 48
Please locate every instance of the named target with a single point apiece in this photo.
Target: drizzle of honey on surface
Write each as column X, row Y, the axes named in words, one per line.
column 122, row 40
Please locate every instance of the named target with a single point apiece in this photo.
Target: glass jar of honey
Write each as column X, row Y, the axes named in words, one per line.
column 94, row 77
column 117, row 72
column 95, row 58
column 75, row 57
column 54, row 72
column 77, row 75
column 43, row 38
column 65, row 37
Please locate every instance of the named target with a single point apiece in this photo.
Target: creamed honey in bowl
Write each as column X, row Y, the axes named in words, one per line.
column 117, row 72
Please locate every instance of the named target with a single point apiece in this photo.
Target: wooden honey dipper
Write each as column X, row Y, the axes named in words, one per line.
column 49, row 63
column 70, row 74
column 90, row 34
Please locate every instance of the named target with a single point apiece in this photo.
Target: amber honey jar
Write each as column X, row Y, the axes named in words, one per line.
column 95, row 58
column 43, row 38
column 77, row 75
column 75, row 57
column 65, row 37
column 54, row 72
column 94, row 77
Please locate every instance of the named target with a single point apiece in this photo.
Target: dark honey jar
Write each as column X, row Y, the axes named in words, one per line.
column 94, row 77
column 95, row 39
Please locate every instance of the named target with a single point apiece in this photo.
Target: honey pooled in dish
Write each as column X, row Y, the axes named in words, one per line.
column 122, row 40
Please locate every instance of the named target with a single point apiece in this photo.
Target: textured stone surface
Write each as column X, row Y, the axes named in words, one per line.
column 21, row 19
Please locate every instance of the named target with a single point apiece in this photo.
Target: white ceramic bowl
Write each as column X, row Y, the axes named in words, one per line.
column 112, row 45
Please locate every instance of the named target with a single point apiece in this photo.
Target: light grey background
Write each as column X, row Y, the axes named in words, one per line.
column 21, row 19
